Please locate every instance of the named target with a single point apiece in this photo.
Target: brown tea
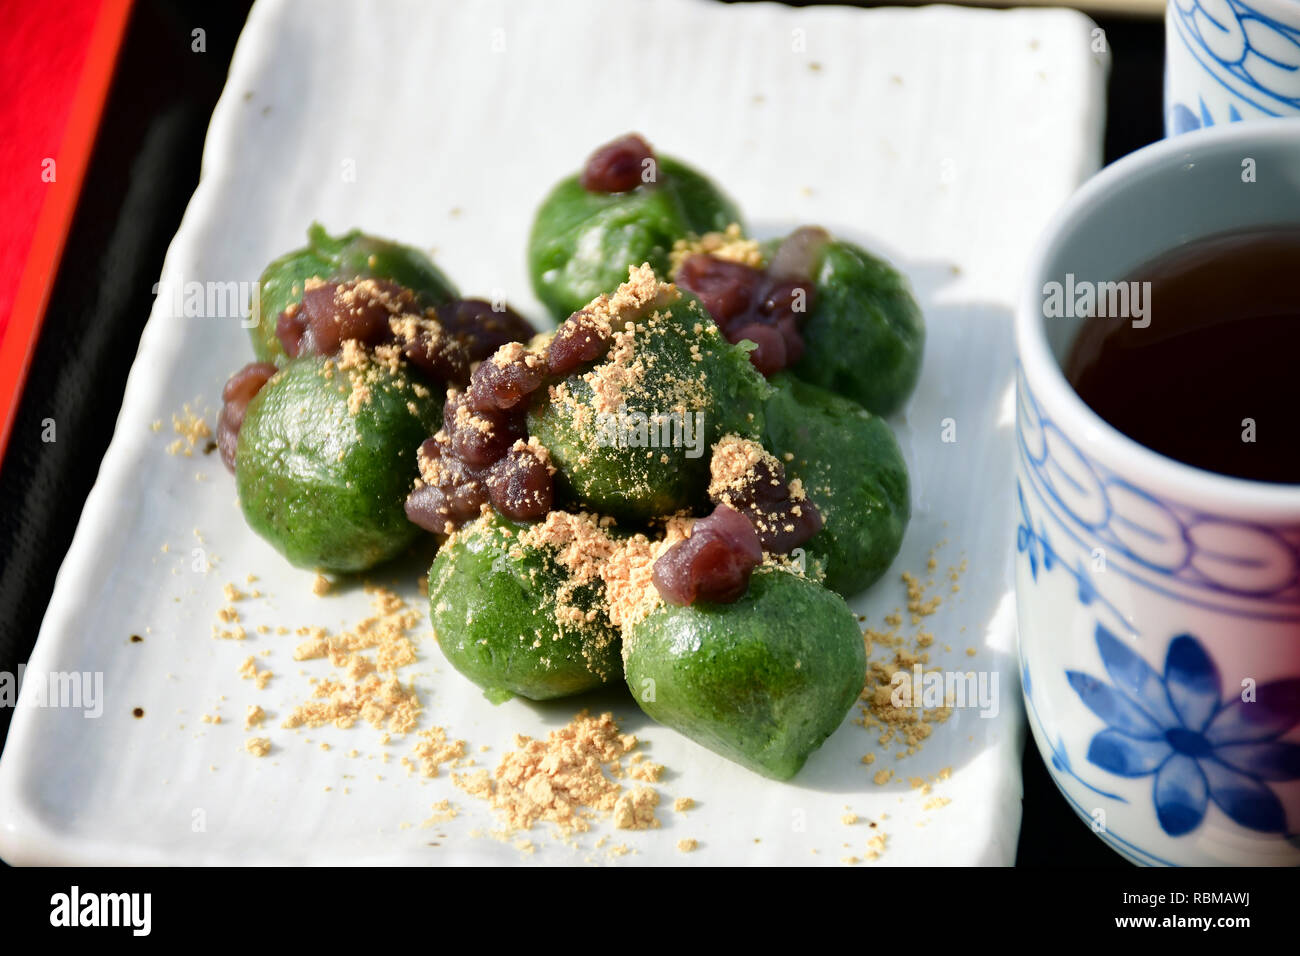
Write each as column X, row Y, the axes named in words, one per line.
column 1210, row 374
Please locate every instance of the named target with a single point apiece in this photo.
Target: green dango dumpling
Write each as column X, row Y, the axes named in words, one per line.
column 627, row 207
column 510, row 616
column 864, row 335
column 326, row 457
column 851, row 468
column 763, row 681
column 352, row 255
column 630, row 435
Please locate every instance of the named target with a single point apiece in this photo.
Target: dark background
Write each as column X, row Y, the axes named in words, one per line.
column 152, row 133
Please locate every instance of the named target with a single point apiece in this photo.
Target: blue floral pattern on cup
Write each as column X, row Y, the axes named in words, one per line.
column 1092, row 536
column 1198, row 747
column 1251, row 56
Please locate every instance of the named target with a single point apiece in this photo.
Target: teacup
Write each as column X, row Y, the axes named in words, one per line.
column 1230, row 60
column 1159, row 604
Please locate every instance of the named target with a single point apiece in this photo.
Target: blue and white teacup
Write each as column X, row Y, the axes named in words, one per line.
column 1159, row 604
column 1230, row 60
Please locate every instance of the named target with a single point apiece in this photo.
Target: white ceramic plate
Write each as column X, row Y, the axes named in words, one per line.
column 942, row 136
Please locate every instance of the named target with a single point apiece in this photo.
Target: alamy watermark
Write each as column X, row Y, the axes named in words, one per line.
column 82, row 690
column 191, row 299
column 677, row 429
column 74, row 908
column 957, row 689
column 1081, row 299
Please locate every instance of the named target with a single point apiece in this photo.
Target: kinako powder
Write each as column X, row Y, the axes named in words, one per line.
column 569, row 779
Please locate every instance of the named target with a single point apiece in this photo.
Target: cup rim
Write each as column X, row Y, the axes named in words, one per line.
column 1184, row 482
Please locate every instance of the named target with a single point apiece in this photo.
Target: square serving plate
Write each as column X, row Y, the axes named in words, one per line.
column 942, row 137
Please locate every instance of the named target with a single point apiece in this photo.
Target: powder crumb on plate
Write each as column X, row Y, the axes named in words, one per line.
column 849, row 819
column 889, row 652
column 320, row 585
column 369, row 689
column 236, row 633
column 645, row 770
column 687, row 845
column 876, row 846
column 258, row 746
column 917, row 603
column 192, row 429
column 477, row 783
column 566, row 779
column 443, row 811
column 254, row 717
column 682, row 804
column 635, row 809
column 434, row 749
column 248, row 670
